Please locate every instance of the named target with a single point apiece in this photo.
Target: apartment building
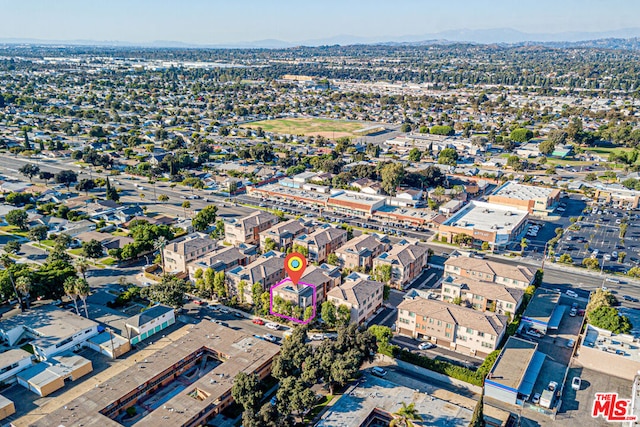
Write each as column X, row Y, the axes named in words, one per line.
column 267, row 270
column 283, row 234
column 360, row 251
column 460, row 329
column 179, row 252
column 223, row 259
column 247, row 230
column 322, row 242
column 362, row 295
column 483, row 296
column 515, row 276
column 325, row 277
column 407, row 262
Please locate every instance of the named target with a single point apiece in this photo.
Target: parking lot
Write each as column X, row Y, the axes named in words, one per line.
column 599, row 237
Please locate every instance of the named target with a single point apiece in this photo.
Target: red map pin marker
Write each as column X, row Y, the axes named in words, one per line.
column 295, row 264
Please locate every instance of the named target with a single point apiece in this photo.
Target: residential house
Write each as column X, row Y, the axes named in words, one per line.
column 483, row 296
column 149, row 322
column 515, row 276
column 321, row 242
column 283, row 233
column 325, row 277
column 460, row 329
column 406, row 261
column 108, row 241
column 13, row 361
column 267, row 270
column 359, row 252
column 183, row 250
column 360, row 294
column 72, row 229
column 248, row 229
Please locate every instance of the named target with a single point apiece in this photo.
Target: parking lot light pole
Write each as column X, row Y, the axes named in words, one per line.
column 544, row 255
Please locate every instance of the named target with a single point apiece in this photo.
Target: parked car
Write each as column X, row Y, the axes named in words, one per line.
column 534, row 333
column 269, row 338
column 238, row 315
column 576, row 383
column 258, row 321
column 571, row 293
column 552, row 386
column 199, row 302
column 317, row 337
column 570, row 343
column 273, row 326
column 426, row 346
column 536, row 398
column 378, row 371
column 573, row 312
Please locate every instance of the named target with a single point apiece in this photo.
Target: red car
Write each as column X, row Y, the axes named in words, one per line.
column 258, row 321
column 198, row 302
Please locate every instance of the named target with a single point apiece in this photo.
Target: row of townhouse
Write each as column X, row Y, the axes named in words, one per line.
column 476, row 302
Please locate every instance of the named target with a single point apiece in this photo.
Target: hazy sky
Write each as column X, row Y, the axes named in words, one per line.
column 216, row 21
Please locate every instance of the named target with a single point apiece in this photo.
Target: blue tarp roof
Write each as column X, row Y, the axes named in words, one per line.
column 530, row 377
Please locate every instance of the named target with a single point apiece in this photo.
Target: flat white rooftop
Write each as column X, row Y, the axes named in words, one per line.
column 517, row 191
column 487, row 217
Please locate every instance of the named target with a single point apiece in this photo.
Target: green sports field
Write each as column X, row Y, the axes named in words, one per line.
column 309, row 126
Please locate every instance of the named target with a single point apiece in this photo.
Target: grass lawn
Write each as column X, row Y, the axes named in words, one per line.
column 107, row 261
column 578, row 163
column 120, row 233
column 48, row 243
column 319, row 407
column 76, row 251
column 309, row 126
column 10, row 229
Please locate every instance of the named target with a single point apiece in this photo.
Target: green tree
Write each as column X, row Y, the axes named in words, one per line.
column 256, row 292
column 441, row 130
column 391, row 174
column 591, row 263
column 70, row 291
column 546, row 147
column 333, row 259
column 186, row 205
column 205, row 218
column 29, row 170
column 66, row 177
column 521, row 135
column 448, row 156
column 515, row 163
column 170, row 291
column 269, row 244
column 246, row 391
column 477, row 419
column 38, row 233
column 24, row 286
column 45, row 176
column 382, row 273
column 415, row 155
column 634, row 272
column 163, row 198
column 565, row 259
column 608, row 318
column 600, row 298
column 403, row 416
column 329, row 314
column 17, row 218
column 92, row 249
column 9, row 265
column 343, row 315
column 83, row 290
column 12, row 247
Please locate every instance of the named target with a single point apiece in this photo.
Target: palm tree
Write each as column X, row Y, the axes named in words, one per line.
column 159, row 245
column 404, row 416
column 7, row 262
column 83, row 290
column 523, row 245
column 70, row 290
column 82, row 265
column 186, row 205
column 23, row 285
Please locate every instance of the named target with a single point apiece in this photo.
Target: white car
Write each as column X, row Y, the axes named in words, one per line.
column 576, row 383
column 536, row 398
column 571, row 293
column 378, row 371
column 426, row 346
column 316, row 337
column 273, row 326
column 269, row 337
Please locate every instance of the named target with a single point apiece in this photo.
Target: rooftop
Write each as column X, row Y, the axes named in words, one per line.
column 515, row 272
column 148, row 315
column 488, row 322
column 358, row 198
column 515, row 190
column 489, row 217
column 542, row 305
column 50, row 323
column 356, row 291
column 624, row 345
column 237, row 350
column 511, row 365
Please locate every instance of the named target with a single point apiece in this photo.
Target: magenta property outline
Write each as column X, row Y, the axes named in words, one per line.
column 284, row 316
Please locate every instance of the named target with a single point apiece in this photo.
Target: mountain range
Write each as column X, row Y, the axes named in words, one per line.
column 627, row 38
